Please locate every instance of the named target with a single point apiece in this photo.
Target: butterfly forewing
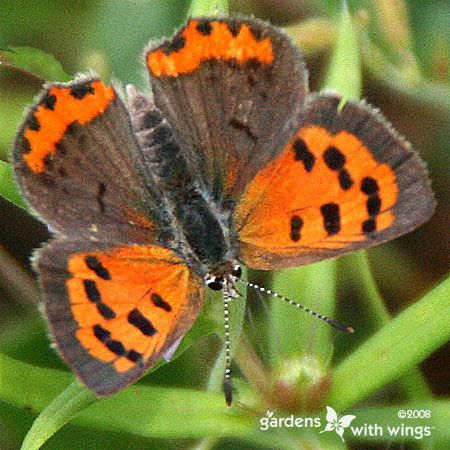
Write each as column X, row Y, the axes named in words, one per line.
column 79, row 165
column 345, row 181
column 233, row 90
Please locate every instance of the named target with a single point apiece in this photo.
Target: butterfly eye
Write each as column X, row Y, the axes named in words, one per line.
column 237, row 271
column 215, row 283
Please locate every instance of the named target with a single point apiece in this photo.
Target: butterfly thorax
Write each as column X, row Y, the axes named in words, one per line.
column 208, row 244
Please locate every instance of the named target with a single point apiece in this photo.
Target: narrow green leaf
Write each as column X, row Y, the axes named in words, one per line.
column 35, row 62
column 61, row 410
column 357, row 268
column 8, row 185
column 404, row 342
column 208, row 7
column 75, row 398
column 139, row 409
column 344, row 72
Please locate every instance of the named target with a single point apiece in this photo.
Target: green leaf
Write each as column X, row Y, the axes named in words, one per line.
column 139, row 409
column 75, row 398
column 8, row 185
column 61, row 410
column 400, row 345
column 208, row 7
column 356, row 269
column 344, row 72
column 35, row 62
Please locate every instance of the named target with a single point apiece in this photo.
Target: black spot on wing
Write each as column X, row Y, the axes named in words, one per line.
column 345, row 180
column 333, row 158
column 369, row 186
column 296, row 226
column 303, row 154
column 137, row 319
column 331, row 218
column 373, row 205
column 94, row 264
column 26, row 148
column 134, row 356
column 159, row 302
column 101, row 334
column 369, row 226
column 177, row 43
column 234, row 27
column 94, row 296
column 33, row 123
column 80, row 91
column 49, row 101
column 204, row 27
column 116, row 347
column 105, row 311
column 91, row 290
column 104, row 336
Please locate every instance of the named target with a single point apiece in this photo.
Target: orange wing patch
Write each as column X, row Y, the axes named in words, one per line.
column 326, row 192
column 202, row 40
column 56, row 111
column 127, row 301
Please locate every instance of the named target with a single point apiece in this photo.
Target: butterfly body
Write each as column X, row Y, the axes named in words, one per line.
column 230, row 161
column 200, row 227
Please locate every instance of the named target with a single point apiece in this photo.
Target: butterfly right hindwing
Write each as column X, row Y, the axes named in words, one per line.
column 115, row 310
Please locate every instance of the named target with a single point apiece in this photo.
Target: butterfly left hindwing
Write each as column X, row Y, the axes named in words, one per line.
column 115, row 310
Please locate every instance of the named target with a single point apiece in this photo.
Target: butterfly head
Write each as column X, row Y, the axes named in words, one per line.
column 224, row 278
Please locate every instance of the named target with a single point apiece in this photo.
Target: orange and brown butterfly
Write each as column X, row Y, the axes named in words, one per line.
column 230, row 161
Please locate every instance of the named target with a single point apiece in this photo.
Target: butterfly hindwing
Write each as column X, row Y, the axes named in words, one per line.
column 233, row 91
column 115, row 310
column 346, row 180
column 79, row 164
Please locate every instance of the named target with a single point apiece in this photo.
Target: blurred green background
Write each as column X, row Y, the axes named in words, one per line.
column 406, row 66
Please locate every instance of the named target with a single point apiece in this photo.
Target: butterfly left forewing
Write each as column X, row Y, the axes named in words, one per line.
column 346, row 180
column 115, row 310
column 233, row 90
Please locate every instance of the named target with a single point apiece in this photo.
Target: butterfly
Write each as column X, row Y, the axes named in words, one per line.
column 152, row 199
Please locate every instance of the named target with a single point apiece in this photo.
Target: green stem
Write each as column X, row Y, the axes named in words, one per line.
column 208, row 7
column 344, row 72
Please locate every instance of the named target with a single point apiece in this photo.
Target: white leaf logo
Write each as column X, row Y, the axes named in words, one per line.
column 338, row 424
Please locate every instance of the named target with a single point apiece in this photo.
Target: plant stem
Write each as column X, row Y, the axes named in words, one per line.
column 208, row 7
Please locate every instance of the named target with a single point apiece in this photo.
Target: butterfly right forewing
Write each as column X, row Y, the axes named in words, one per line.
column 80, row 167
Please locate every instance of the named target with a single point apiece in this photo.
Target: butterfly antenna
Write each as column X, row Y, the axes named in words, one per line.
column 227, row 389
column 329, row 320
